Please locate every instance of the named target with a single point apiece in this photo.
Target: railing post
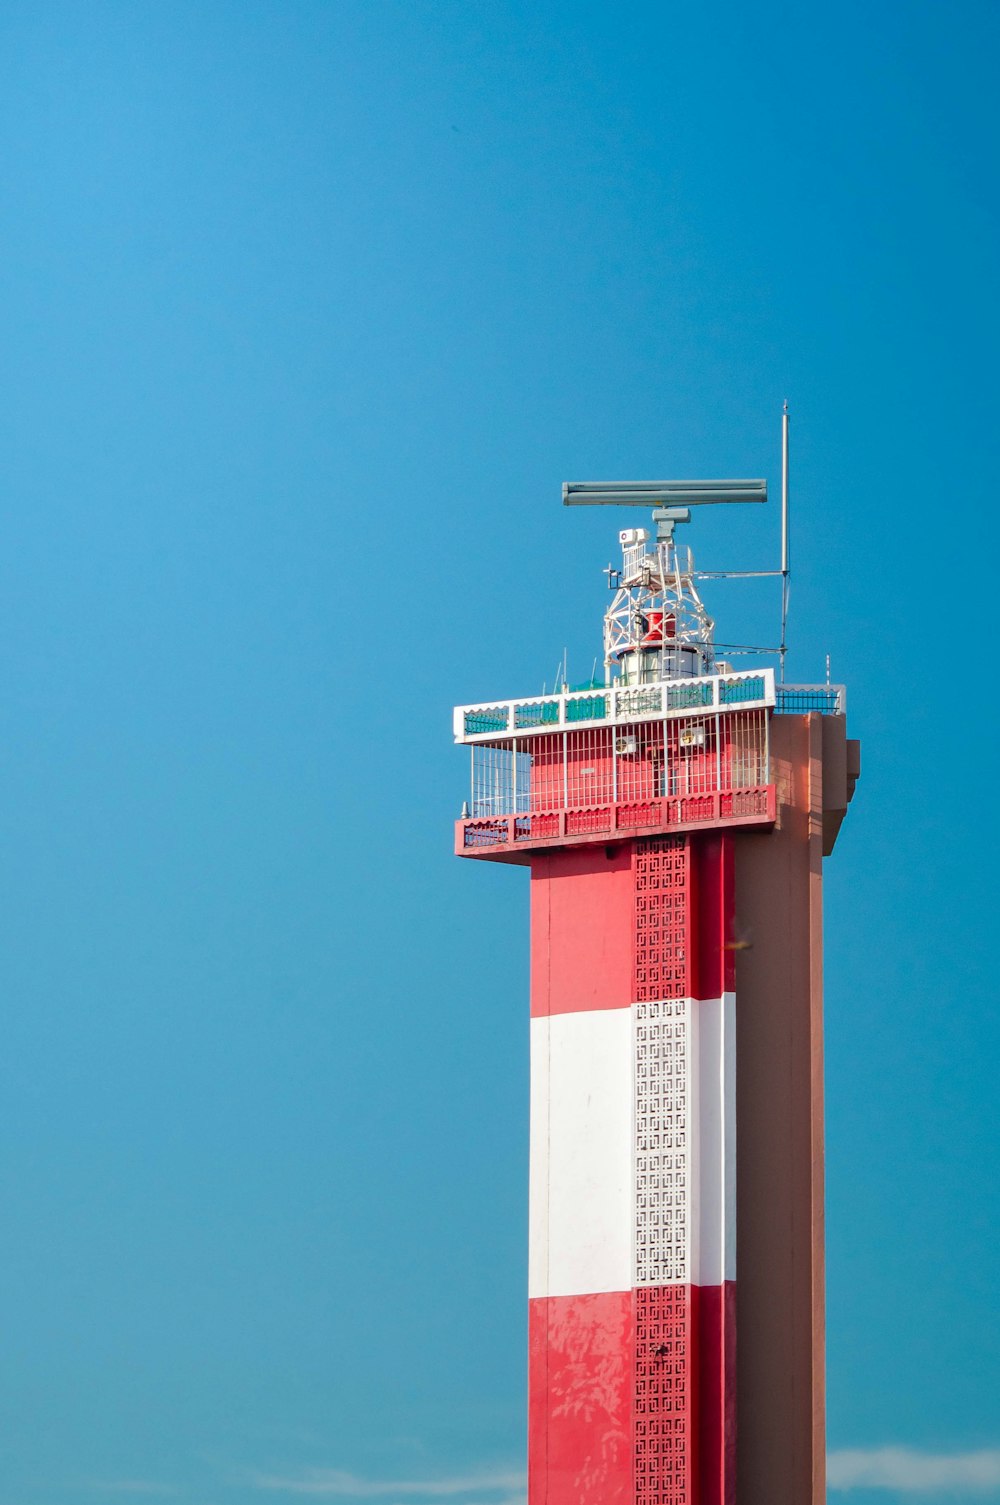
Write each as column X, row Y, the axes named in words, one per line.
column 718, row 751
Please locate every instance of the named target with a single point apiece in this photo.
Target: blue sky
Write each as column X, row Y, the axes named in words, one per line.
column 307, row 311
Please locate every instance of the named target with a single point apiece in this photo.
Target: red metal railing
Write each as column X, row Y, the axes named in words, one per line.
column 540, row 828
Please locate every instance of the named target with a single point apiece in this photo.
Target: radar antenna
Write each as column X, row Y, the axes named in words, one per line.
column 657, row 626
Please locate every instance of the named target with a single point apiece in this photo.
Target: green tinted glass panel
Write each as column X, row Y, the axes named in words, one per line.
column 587, row 708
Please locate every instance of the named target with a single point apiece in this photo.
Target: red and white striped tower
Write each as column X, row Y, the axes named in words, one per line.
column 674, row 826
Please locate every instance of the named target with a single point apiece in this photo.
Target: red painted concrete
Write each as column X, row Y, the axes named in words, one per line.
column 715, row 941
column 632, row 1397
column 580, row 1383
column 583, row 925
column 667, row 1354
column 582, row 929
column 717, row 1394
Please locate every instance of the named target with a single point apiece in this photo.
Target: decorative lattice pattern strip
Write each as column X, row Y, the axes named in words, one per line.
column 664, row 1360
column 663, row 1396
column 662, row 1141
column 662, row 901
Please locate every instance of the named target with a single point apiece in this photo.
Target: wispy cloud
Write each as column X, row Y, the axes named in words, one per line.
column 899, row 1469
column 484, row 1487
column 910, row 1472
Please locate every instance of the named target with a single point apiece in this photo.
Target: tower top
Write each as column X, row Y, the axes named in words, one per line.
column 657, row 627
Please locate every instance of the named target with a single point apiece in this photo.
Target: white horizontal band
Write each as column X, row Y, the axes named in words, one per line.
column 580, row 1204
column 594, row 1190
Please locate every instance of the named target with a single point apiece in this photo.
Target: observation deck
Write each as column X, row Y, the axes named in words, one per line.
column 604, row 763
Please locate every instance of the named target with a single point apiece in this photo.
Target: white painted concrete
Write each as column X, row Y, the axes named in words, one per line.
column 580, row 1206
column 584, row 1163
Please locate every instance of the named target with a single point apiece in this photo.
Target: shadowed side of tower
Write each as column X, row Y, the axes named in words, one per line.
column 779, row 1030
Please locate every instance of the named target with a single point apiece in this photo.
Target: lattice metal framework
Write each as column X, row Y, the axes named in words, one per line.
column 656, row 627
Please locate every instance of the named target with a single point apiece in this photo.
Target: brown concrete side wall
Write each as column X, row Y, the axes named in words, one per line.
column 779, row 1116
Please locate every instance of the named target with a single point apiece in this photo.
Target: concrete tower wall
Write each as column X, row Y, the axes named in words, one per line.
column 677, row 1014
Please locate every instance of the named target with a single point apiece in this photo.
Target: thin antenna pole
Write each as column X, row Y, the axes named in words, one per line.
column 784, row 539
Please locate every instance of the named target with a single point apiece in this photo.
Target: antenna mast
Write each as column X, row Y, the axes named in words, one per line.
column 784, row 542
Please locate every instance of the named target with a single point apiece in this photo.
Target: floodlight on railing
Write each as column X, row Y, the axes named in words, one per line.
column 660, row 493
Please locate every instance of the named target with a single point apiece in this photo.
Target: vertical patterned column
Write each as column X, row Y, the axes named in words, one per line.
column 664, row 1336
column 684, row 1052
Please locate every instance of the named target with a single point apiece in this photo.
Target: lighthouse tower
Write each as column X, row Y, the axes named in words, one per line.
column 674, row 817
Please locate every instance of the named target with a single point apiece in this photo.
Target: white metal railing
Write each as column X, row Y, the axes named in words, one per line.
column 798, row 700
column 707, row 695
column 594, row 767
